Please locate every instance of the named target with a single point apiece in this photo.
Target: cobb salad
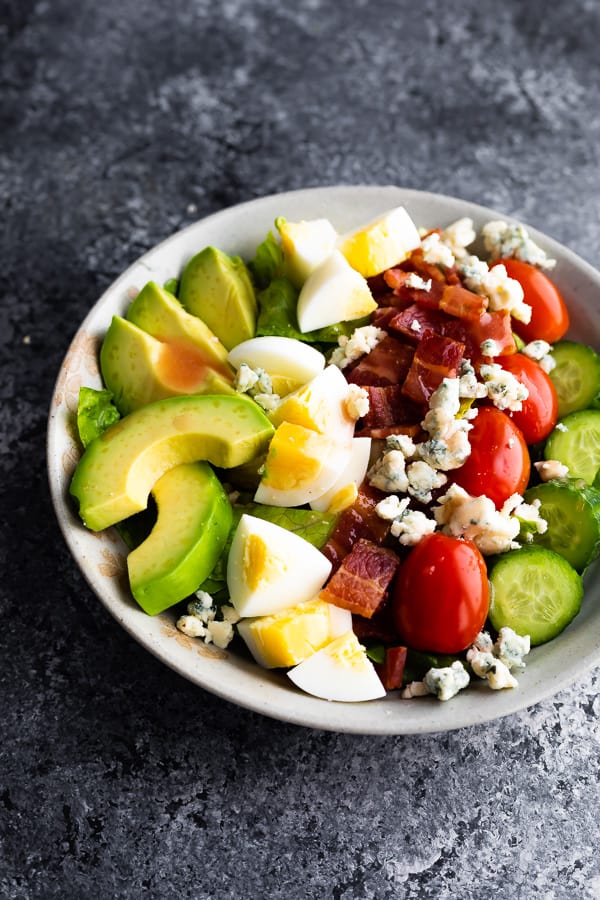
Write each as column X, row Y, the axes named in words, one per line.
column 371, row 456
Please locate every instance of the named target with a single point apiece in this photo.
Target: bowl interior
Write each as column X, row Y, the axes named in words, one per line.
column 102, row 557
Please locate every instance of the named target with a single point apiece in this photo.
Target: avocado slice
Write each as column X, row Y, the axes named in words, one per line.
column 217, row 288
column 138, row 369
column 117, row 471
column 160, row 314
column 193, row 523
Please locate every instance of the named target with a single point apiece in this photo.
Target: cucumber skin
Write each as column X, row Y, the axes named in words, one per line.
column 588, row 362
column 579, row 491
column 524, row 559
column 559, row 441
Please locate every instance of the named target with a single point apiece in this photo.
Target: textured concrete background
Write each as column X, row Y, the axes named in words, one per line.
column 120, row 122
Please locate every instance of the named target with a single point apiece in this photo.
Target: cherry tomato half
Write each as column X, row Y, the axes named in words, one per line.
column 539, row 412
column 441, row 595
column 549, row 316
column 499, row 463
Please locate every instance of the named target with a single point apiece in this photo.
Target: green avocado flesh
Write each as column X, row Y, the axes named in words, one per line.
column 194, row 519
column 115, row 475
column 161, row 315
column 139, row 369
column 218, row 289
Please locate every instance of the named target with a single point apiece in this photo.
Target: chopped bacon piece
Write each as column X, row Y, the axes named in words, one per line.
column 361, row 582
column 436, row 358
column 358, row 521
column 416, row 263
column 378, row 285
column 387, row 363
column 391, row 671
column 495, row 326
column 381, row 317
column 416, row 321
column 389, row 406
column 458, row 301
column 380, row 627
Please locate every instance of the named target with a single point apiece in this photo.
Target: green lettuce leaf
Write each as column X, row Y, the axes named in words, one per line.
column 95, row 413
column 277, row 315
column 269, row 261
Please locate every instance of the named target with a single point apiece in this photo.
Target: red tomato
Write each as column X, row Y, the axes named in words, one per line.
column 441, row 596
column 549, row 317
column 499, row 463
column 539, row 413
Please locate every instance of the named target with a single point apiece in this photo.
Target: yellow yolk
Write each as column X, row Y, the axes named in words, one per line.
column 380, row 244
column 287, row 637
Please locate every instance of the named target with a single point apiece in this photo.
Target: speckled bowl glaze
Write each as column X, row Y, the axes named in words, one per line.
column 101, row 557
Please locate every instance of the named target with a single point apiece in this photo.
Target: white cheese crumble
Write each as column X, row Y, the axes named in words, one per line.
column 448, row 445
column 503, row 389
column 536, row 349
column 436, row 252
column 477, row 519
column 504, row 239
column 548, row 469
column 468, row 385
column 490, row 347
column 201, row 621
column 361, row 341
column 458, row 236
column 494, row 661
column 502, row 291
column 258, row 385
column 422, row 480
column 412, row 527
column 357, row 402
column 419, row 284
column 391, row 507
column 388, row 473
column 402, row 442
column 446, row 682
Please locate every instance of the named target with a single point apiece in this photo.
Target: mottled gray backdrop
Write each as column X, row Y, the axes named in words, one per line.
column 120, row 122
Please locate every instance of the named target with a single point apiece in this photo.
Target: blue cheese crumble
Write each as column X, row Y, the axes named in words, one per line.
column 461, row 515
column 388, row 473
column 506, row 239
column 361, row 341
column 448, row 445
column 436, row 252
column 202, row 622
column 418, row 284
column 549, row 469
column 503, row 389
column 541, row 352
column 357, row 402
column 494, row 661
column 258, row 385
column 458, row 236
column 409, row 526
column 445, row 683
column 501, row 291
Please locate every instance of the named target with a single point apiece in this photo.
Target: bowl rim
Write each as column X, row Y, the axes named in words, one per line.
column 312, row 712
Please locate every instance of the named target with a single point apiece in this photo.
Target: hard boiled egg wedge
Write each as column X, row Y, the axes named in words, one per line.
column 301, row 465
column 270, row 568
column 320, row 404
column 344, row 490
column 382, row 243
column 305, row 246
column 289, row 362
column 339, row 671
column 334, row 292
column 285, row 638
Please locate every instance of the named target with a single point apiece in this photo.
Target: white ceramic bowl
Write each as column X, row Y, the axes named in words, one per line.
column 101, row 557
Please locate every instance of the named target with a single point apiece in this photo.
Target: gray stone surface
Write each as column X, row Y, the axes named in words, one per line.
column 121, row 122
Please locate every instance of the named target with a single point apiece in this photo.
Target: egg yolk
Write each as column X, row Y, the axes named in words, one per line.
column 295, row 458
column 259, row 563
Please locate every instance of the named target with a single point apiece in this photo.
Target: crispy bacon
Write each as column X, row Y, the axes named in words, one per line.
column 387, row 363
column 388, row 406
column 436, row 358
column 358, row 521
column 458, row 301
column 494, row 326
column 381, row 317
column 361, row 582
column 380, row 627
column 391, row 671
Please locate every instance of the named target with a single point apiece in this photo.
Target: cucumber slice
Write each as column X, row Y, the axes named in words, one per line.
column 575, row 442
column 576, row 376
column 534, row 591
column 572, row 511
